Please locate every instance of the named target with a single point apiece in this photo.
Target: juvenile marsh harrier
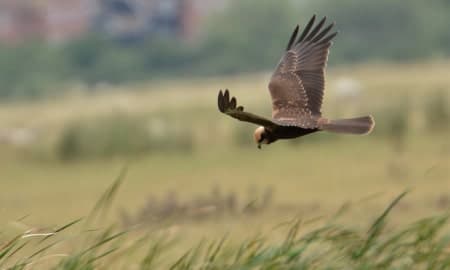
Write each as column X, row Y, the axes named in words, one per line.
column 297, row 88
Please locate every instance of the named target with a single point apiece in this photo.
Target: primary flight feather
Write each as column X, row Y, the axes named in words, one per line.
column 297, row 88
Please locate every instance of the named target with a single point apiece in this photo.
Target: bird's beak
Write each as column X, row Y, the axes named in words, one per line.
column 259, row 146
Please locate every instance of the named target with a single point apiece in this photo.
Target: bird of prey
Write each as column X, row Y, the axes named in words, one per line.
column 296, row 88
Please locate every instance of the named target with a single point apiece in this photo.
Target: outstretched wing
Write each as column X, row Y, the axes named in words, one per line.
column 297, row 84
column 229, row 106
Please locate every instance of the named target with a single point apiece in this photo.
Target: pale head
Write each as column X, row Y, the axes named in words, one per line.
column 260, row 136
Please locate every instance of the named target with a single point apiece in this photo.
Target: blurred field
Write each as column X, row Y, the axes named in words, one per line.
column 312, row 177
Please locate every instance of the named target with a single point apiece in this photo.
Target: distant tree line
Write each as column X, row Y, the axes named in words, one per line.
column 248, row 36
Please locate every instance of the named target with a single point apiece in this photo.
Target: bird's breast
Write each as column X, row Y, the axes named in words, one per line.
column 291, row 132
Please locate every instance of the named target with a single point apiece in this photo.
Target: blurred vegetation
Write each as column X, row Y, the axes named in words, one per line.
column 395, row 125
column 327, row 245
column 247, row 36
column 312, row 176
column 388, row 30
column 178, row 140
column 213, row 205
column 437, row 112
column 118, row 134
column 159, row 122
column 122, row 134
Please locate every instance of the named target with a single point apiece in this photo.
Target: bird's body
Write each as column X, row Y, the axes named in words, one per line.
column 286, row 132
column 296, row 88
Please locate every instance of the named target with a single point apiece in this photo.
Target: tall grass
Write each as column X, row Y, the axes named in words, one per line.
column 119, row 134
column 424, row 244
column 437, row 112
column 395, row 123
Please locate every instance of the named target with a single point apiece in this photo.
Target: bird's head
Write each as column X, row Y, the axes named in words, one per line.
column 261, row 136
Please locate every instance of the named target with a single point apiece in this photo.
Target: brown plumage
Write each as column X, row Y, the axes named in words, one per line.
column 297, row 88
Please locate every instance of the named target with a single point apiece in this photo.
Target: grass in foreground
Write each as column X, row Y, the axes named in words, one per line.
column 424, row 244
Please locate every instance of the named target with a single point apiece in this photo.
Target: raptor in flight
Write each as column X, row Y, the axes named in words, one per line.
column 297, row 88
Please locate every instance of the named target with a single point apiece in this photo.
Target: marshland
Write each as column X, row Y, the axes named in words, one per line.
column 115, row 156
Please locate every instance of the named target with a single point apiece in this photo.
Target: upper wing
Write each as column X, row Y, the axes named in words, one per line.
column 228, row 106
column 297, row 84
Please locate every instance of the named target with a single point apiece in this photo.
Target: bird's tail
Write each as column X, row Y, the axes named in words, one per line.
column 359, row 125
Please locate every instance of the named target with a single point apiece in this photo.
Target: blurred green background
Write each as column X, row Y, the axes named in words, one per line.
column 134, row 83
column 230, row 38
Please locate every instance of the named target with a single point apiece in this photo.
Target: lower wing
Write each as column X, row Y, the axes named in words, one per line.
column 229, row 106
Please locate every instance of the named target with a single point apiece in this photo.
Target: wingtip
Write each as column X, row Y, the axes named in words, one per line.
column 334, row 35
column 226, row 96
column 293, row 37
column 312, row 20
column 233, row 103
column 220, row 103
column 226, row 103
column 307, row 29
column 296, row 30
column 329, row 38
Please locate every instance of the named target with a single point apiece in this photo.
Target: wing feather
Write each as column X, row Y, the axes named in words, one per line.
column 316, row 29
column 323, row 33
column 307, row 28
column 293, row 37
column 298, row 83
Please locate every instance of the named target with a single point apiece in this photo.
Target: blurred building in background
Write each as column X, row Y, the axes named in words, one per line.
column 61, row 20
column 67, row 19
column 50, row 20
column 140, row 19
column 135, row 19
